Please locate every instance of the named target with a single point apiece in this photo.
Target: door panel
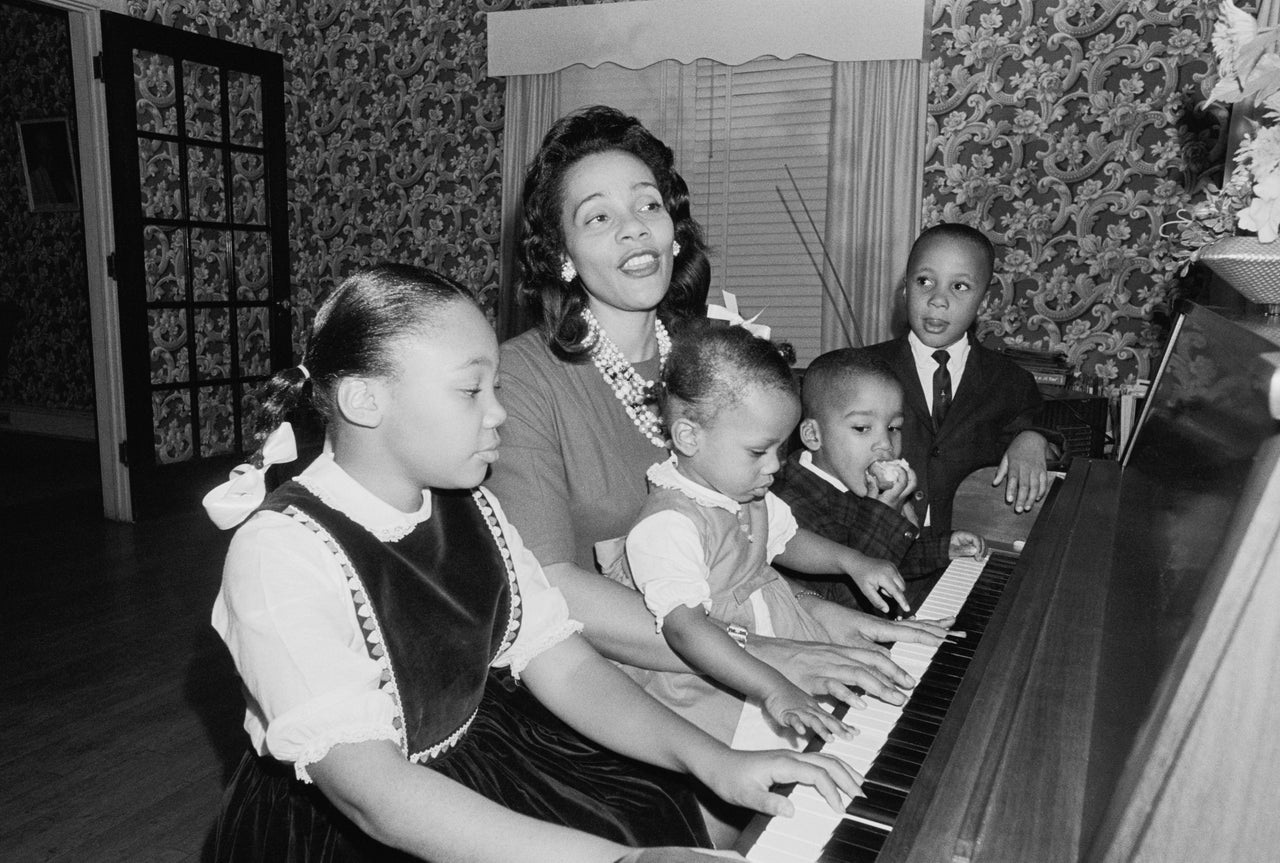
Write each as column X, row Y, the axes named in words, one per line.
column 202, row 259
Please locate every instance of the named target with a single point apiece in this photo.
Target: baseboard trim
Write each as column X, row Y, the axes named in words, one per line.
column 79, row 425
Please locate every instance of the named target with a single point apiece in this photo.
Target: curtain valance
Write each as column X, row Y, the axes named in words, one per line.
column 638, row 34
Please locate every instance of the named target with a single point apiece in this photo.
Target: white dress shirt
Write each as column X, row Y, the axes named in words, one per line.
column 926, row 365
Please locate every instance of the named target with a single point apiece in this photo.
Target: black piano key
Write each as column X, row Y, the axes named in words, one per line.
column 854, row 843
column 894, row 773
column 910, row 745
column 920, row 741
column 943, row 674
column 860, row 850
column 850, row 837
column 928, row 703
column 936, row 691
column 877, row 803
column 895, row 768
column 898, row 775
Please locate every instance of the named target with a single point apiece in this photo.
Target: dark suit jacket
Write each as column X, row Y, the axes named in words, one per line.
column 995, row 401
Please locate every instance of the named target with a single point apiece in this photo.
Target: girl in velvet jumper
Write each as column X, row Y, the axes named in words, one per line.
column 415, row 688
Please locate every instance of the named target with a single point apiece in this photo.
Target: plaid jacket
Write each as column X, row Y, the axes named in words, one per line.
column 863, row 524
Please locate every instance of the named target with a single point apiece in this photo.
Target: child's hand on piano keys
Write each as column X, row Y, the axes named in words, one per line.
column 789, row 706
column 747, row 779
column 874, row 577
column 967, row 544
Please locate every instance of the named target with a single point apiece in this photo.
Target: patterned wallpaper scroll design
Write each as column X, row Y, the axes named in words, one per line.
column 1067, row 131
column 393, row 132
column 42, row 257
column 1060, row 127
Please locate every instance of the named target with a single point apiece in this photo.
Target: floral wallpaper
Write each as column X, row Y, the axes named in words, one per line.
column 393, row 132
column 1068, row 132
column 42, row 263
column 1064, row 129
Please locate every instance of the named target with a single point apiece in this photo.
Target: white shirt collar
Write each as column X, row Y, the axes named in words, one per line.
column 926, row 365
column 806, row 461
column 665, row 475
column 957, row 350
column 338, row 489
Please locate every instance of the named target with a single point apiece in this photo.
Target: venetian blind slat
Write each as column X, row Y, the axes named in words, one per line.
column 753, row 123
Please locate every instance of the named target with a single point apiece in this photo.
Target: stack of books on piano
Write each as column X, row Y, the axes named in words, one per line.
column 1049, row 368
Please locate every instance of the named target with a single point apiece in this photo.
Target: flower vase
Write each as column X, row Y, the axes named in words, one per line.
column 1249, row 266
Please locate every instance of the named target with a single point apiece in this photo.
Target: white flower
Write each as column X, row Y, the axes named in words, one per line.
column 1263, row 213
column 1233, row 30
column 1248, row 66
column 1248, row 69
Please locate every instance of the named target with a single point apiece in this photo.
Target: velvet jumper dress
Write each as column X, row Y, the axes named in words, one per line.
column 438, row 605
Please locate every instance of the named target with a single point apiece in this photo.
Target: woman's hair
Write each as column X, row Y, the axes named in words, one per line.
column 354, row 334
column 712, row 366
column 556, row 304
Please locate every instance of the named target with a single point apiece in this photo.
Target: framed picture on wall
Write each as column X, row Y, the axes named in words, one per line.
column 49, row 165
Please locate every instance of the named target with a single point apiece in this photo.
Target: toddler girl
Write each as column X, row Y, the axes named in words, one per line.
column 366, row 602
column 701, row 549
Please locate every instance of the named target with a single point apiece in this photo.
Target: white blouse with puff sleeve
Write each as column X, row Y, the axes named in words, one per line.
column 285, row 613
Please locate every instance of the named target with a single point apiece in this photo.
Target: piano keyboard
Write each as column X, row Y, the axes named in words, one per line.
column 892, row 740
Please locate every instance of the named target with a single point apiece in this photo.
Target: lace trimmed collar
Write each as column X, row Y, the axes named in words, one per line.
column 336, row 488
column 665, row 475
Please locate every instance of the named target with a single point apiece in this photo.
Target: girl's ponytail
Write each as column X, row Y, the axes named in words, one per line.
column 287, row 396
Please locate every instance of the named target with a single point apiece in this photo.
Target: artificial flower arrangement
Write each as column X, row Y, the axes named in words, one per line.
column 1248, row 69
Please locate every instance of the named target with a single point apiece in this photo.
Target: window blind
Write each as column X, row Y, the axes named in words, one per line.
column 751, row 124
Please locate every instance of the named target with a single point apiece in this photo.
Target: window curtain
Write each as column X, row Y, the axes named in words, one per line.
column 532, row 105
column 874, row 191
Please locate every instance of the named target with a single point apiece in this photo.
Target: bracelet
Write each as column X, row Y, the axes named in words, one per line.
column 738, row 634
column 800, row 593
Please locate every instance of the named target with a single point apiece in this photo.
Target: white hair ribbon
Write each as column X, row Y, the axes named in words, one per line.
column 237, row 498
column 729, row 312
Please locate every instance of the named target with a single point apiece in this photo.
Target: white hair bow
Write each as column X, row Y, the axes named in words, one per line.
column 237, row 498
column 729, row 312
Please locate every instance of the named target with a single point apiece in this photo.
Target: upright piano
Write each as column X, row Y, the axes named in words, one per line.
column 1122, row 702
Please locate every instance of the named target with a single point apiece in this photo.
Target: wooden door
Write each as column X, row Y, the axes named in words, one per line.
column 201, row 256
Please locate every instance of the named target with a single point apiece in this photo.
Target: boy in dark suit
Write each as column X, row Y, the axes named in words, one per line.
column 966, row 406
column 848, row 484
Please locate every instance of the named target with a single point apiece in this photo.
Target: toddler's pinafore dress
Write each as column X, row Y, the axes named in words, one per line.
column 731, row 578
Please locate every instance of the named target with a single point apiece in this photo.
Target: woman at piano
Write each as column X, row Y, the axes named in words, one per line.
column 610, row 254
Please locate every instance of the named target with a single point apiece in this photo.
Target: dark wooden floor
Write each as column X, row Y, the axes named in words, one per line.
column 119, row 710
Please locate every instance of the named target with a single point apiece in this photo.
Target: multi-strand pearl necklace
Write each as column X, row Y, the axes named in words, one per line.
column 627, row 385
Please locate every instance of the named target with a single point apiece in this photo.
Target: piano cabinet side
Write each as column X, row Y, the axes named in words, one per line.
column 1201, row 782
column 1004, row 778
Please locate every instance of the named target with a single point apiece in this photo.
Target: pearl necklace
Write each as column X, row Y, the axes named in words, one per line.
column 627, row 385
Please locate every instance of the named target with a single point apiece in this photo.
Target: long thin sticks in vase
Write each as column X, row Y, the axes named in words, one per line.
column 854, row 337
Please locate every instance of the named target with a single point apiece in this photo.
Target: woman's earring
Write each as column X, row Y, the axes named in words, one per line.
column 568, row 272
column 675, row 248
